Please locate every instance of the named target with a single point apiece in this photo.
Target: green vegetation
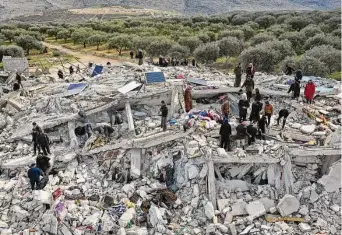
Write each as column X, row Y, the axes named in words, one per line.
column 270, row 40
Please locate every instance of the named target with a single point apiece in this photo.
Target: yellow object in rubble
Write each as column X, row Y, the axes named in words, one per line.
column 129, row 204
column 273, row 219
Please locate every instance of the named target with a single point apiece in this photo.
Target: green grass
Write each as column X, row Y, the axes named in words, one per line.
column 336, row 76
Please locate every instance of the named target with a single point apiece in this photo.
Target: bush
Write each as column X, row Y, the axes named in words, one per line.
column 322, row 39
column 179, row 52
column 190, row 42
column 232, row 33
column 298, row 22
column 310, row 31
column 160, row 47
column 13, row 51
column 230, row 46
column 278, row 29
column 283, row 47
column 336, row 33
column 253, row 25
column 63, row 34
column 327, row 54
column 56, row 53
column 282, row 18
column 265, row 21
column 297, row 40
column 208, row 52
column 240, row 19
column 288, row 61
column 248, row 31
column 262, row 37
column 28, row 42
column 204, row 37
column 312, row 67
column 336, row 76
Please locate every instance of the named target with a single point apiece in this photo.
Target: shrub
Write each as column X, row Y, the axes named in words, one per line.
column 13, row 51
column 265, row 21
column 230, row 46
column 336, row 76
column 310, row 31
column 278, row 29
column 322, row 39
column 282, row 18
column 298, row 22
column 56, row 53
column 297, row 40
column 179, row 52
column 240, row 19
column 63, row 34
column 204, row 37
column 336, row 33
column 262, row 37
column 28, row 42
column 160, row 47
column 283, row 47
column 208, row 52
column 327, row 54
column 232, row 33
column 253, row 25
column 190, row 42
column 248, row 31
column 312, row 66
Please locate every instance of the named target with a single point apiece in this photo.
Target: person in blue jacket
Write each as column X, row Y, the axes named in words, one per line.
column 34, row 173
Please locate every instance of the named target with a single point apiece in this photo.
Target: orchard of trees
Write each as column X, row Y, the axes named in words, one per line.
column 310, row 40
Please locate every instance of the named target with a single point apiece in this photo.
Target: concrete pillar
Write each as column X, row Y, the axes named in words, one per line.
column 129, row 117
column 73, row 139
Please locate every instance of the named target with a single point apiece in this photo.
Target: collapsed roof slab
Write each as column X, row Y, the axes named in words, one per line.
column 257, row 159
column 315, row 152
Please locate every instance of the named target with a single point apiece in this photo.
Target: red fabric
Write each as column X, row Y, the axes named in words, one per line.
column 188, row 100
column 309, row 91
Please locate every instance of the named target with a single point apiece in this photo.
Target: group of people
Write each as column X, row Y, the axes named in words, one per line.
column 310, row 87
column 60, row 73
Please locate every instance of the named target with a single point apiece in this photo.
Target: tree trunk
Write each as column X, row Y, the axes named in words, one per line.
column 98, row 45
column 28, row 51
column 119, row 51
column 84, row 45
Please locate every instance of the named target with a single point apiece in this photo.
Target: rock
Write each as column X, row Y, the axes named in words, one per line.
column 121, row 231
column 93, row 219
column 307, row 129
column 247, row 229
column 3, row 225
column 63, row 230
column 209, row 210
column 265, row 227
column 128, row 189
column 303, row 210
column 321, row 223
column 228, row 219
column 288, row 205
column 232, row 229
column 268, row 203
column 194, row 202
column 335, row 208
column 222, row 153
column 239, row 208
column 234, row 185
column 204, row 171
column 196, row 191
column 332, row 181
column 107, row 222
column 255, row 209
column 222, row 228
column 192, row 172
column 197, row 231
column 49, row 224
column 222, row 203
column 156, row 216
column 313, row 196
column 94, row 198
column 42, row 196
column 283, row 226
column 304, row 227
column 273, row 210
column 126, row 217
column 333, row 230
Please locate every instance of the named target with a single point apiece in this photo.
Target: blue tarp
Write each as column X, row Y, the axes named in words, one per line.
column 75, row 88
column 97, row 70
column 154, row 77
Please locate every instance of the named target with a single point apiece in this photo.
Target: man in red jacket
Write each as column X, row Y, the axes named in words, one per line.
column 309, row 91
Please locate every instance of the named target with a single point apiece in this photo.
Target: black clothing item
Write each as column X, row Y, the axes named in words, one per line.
column 255, row 113
column 237, row 80
column 252, row 131
column 60, row 74
column 131, row 54
column 45, row 149
column 225, row 130
column 268, row 118
column 308, row 101
column 249, row 84
column 299, row 75
column 16, row 86
column 225, row 143
column 238, row 70
column 258, row 96
column 241, row 131
column 249, row 71
column 80, row 130
column 289, row 70
column 43, row 163
column 193, row 62
column 71, row 70
column 295, row 87
column 35, row 147
column 140, row 55
column 284, row 113
column 164, row 110
column 242, row 110
column 18, row 78
column 42, row 139
column 34, row 183
column 161, row 61
column 262, row 127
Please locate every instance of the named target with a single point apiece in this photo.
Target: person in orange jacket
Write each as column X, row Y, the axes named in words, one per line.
column 268, row 111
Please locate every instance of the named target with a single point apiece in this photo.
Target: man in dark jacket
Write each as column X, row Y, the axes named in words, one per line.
column 262, row 123
column 255, row 113
column 251, row 133
column 60, row 74
column 284, row 113
column 33, row 174
column 140, row 57
column 298, row 75
column 238, row 74
column 258, row 96
column 289, row 70
column 249, row 84
column 71, row 70
column 131, row 53
column 43, row 142
column 225, row 133
column 295, row 88
column 43, row 162
column 241, row 133
column 18, row 78
column 243, row 106
column 35, row 131
column 163, row 111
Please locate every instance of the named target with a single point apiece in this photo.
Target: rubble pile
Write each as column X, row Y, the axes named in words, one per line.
column 146, row 181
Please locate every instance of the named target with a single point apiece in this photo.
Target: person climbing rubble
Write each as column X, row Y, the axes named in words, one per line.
column 35, row 130
column 262, row 123
column 309, row 92
column 241, row 133
column 131, row 53
column 289, row 70
column 255, row 113
column 60, row 74
column 71, row 70
column 34, row 174
column 238, row 74
column 43, row 142
column 250, row 71
column 249, row 84
column 295, row 88
column 225, row 133
column 18, row 79
column 252, row 132
column 43, row 162
column 163, row 112
column 140, row 57
column 268, row 111
column 243, row 106
column 188, row 99
column 298, row 75
column 258, row 96
column 284, row 113
column 84, row 132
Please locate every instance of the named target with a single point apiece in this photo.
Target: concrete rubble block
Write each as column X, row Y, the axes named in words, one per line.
column 332, row 181
column 107, row 222
column 121, row 231
column 3, row 225
column 156, row 216
column 194, row 202
column 222, row 203
column 63, row 230
column 247, row 229
column 222, row 228
column 222, row 153
column 42, row 196
column 239, row 208
column 335, row 208
column 255, row 209
column 307, row 129
column 209, row 210
column 304, row 210
column 128, row 189
column 304, row 227
column 197, row 231
column 196, row 190
column 268, row 203
column 93, row 219
column 204, row 171
column 193, row 172
column 288, row 205
column 234, row 185
column 321, row 223
column 49, row 224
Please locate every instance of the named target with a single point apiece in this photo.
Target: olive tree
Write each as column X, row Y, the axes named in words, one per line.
column 191, row 42
column 63, row 34
column 81, row 36
column 160, row 47
column 310, row 31
column 265, row 21
column 9, row 34
column 28, row 43
column 322, row 39
column 297, row 40
column 178, row 52
column 298, row 22
column 230, row 46
column 232, row 33
column 97, row 39
column 262, row 37
column 312, row 66
column 14, row 51
column 208, row 52
column 327, row 54
column 120, row 42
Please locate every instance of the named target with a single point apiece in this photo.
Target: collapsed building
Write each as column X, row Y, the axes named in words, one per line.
column 146, row 181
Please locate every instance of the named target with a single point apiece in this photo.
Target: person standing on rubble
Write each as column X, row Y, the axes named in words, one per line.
column 255, row 113
column 43, row 162
column 163, row 111
column 268, row 111
column 252, row 132
column 309, row 92
column 258, row 96
column 295, row 88
column 262, row 123
column 284, row 113
column 225, row 133
column 250, row 71
column 71, row 70
column 131, row 53
column 35, row 131
column 43, row 142
column 140, row 57
column 78, row 69
column 249, row 84
column 18, row 78
column 188, row 99
column 241, row 133
column 193, row 62
column 225, row 108
column 60, row 74
column 243, row 106
column 289, row 70
column 238, row 74
column 298, row 75
column 34, row 174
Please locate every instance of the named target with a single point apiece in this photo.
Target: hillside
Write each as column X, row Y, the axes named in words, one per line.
column 14, row 8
